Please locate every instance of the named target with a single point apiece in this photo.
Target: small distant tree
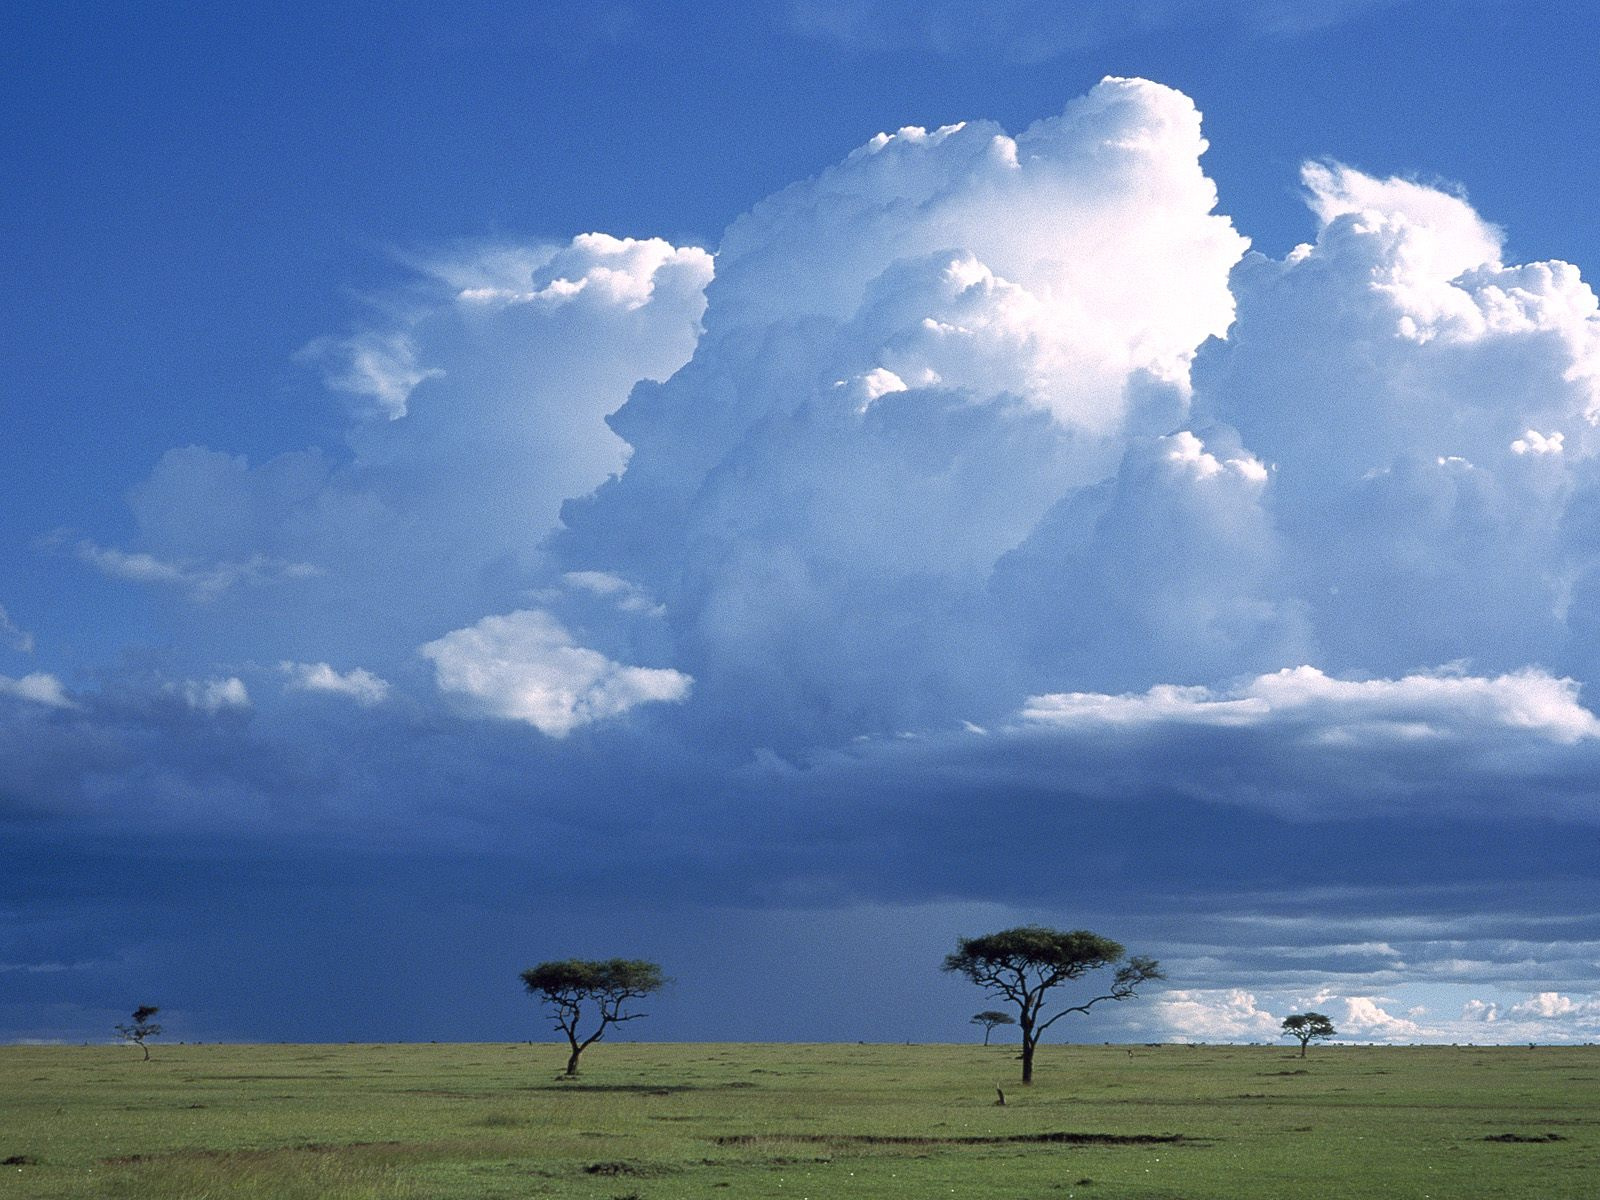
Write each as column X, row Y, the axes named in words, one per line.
column 1022, row 965
column 989, row 1018
column 141, row 1028
column 1308, row 1028
column 576, row 987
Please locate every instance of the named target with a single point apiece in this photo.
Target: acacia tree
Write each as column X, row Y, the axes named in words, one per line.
column 575, row 985
column 1022, row 965
column 141, row 1028
column 989, row 1018
column 1308, row 1027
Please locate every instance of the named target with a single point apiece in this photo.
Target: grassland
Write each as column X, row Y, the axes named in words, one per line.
column 670, row 1122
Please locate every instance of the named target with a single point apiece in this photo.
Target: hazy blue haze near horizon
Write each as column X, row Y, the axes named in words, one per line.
column 527, row 481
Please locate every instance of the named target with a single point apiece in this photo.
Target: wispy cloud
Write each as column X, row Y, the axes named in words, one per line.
column 628, row 597
column 38, row 687
column 19, row 640
column 381, row 369
column 1035, row 31
column 201, row 581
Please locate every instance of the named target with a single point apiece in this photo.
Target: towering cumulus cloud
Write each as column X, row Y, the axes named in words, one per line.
column 1430, row 413
column 966, row 419
column 906, row 362
column 939, row 446
column 981, row 496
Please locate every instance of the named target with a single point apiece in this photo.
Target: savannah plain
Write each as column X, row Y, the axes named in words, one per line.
column 799, row 1122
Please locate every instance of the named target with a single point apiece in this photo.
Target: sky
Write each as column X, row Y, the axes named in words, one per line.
column 774, row 489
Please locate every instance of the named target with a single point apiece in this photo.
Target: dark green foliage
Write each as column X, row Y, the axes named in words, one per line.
column 572, row 986
column 1308, row 1027
column 1022, row 965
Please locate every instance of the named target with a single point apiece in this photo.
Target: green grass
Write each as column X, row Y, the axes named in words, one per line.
column 660, row 1122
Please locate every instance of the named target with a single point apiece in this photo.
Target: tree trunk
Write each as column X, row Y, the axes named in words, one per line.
column 987, row 1030
column 1027, row 1056
column 146, row 1050
column 572, row 1040
column 1302, row 1049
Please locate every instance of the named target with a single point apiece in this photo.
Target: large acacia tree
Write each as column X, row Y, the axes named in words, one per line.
column 1022, row 965
column 575, row 987
column 1307, row 1028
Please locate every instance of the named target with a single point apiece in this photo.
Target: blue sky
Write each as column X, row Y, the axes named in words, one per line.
column 545, row 480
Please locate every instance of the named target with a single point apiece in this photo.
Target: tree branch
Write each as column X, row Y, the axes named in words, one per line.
column 1082, row 1008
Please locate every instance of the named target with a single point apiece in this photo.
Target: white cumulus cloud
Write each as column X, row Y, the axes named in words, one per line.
column 358, row 684
column 1059, row 266
column 1429, row 413
column 1219, row 1014
column 1555, row 1006
column 1364, row 1018
column 1534, row 442
column 1003, row 313
column 524, row 666
column 971, row 421
column 1547, row 1016
column 595, row 268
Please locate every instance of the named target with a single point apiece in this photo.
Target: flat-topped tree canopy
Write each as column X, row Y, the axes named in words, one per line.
column 1035, row 949
column 1022, row 964
column 570, row 985
column 585, row 975
column 1307, row 1028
